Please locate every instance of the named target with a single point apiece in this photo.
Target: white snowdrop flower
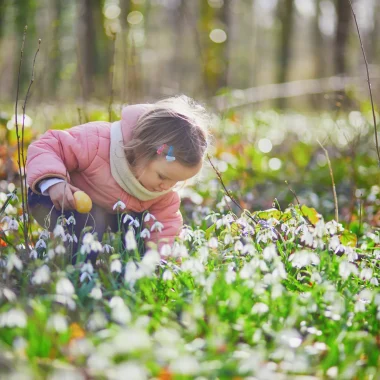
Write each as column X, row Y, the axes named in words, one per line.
column 33, row 254
column 376, row 300
column 119, row 205
column 145, row 233
column 179, row 250
column 263, row 266
column 213, row 243
column 332, row 372
column 13, row 224
column 260, row 308
column 334, row 243
column 351, row 254
column 289, row 338
column 307, row 238
column 228, row 239
column 40, row 243
column 138, row 340
column 203, row 254
column 166, row 250
column 88, row 238
column 65, row 287
column 280, row 271
column 374, row 281
column 115, row 266
column 51, row 254
column 185, row 365
column 226, row 221
column 320, row 229
column 250, row 249
column 99, row 362
column 333, row 227
column 7, row 294
column 13, row 262
column 157, row 226
column 6, row 219
column 186, row 233
column 97, row 321
column 148, row 217
column 193, row 265
column 316, row 277
column 132, row 272
column 359, row 307
column 60, row 249
column 230, row 276
column 167, row 275
column 365, row 296
column 239, row 246
column 58, row 323
column 269, row 252
column 346, row 269
column 87, row 270
column 120, row 312
column 59, row 231
column 71, row 220
column 150, row 261
column 277, row 290
column 366, row 274
column 108, row 248
column 128, row 370
column 128, row 217
column 303, row 258
column 96, row 246
column 13, row 318
column 130, row 240
column 41, row 275
column 96, row 293
column 246, row 272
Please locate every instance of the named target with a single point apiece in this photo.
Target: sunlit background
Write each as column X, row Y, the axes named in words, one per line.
column 150, row 49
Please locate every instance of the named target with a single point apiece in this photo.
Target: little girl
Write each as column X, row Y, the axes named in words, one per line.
column 137, row 161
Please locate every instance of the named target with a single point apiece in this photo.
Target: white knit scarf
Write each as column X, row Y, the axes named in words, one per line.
column 121, row 171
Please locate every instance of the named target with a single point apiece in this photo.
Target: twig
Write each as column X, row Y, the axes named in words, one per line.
column 369, row 83
column 299, row 204
column 23, row 180
column 226, row 190
column 23, row 200
column 294, row 194
column 332, row 180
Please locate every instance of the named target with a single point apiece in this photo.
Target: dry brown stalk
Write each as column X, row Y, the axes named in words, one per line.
column 332, row 180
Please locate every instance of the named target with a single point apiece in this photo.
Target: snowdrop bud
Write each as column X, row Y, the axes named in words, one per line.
column 130, row 241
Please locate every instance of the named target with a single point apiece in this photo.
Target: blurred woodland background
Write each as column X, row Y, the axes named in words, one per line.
column 150, row 49
column 280, row 75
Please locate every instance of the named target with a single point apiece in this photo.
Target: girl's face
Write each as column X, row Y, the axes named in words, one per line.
column 160, row 174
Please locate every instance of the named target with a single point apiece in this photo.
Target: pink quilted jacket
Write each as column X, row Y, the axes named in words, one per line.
column 82, row 155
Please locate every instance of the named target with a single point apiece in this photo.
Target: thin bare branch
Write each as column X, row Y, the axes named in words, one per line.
column 332, row 180
column 369, row 83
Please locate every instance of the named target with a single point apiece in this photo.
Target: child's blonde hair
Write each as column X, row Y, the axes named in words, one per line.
column 179, row 122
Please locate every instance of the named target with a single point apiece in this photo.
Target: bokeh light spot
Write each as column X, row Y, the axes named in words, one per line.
column 275, row 163
column 265, row 145
column 218, row 36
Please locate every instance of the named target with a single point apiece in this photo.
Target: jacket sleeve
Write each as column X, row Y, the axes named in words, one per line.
column 58, row 152
column 166, row 211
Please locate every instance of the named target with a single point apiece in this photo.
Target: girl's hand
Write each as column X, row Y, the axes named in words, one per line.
column 61, row 194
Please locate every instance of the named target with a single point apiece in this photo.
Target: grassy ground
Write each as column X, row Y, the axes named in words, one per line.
column 280, row 293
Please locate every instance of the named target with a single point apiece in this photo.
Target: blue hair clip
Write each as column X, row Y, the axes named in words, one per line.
column 169, row 156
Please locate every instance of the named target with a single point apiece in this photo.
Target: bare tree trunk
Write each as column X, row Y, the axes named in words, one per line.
column 125, row 9
column 224, row 56
column 87, row 47
column 341, row 38
column 55, row 53
column 286, row 11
